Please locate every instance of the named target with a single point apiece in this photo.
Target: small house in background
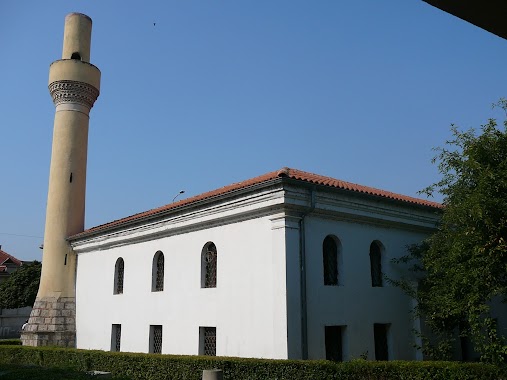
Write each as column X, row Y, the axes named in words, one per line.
column 8, row 264
column 11, row 320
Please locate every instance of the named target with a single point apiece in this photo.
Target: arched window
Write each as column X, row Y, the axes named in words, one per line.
column 376, row 264
column 118, row 276
column 209, row 266
column 330, row 253
column 157, row 274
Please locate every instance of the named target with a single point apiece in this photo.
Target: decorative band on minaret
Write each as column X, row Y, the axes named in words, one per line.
column 74, row 85
column 69, row 95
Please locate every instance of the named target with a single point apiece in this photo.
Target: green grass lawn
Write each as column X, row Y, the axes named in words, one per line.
column 19, row 372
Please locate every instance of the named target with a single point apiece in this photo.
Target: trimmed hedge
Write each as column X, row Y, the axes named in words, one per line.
column 10, row 342
column 138, row 366
column 20, row 372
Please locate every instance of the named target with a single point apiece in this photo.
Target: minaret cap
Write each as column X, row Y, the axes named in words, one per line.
column 77, row 37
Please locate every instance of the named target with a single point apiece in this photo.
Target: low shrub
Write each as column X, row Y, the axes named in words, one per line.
column 23, row 372
column 138, row 366
column 10, row 342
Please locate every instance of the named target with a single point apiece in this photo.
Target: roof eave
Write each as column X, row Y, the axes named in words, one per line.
column 362, row 194
column 169, row 211
column 252, row 188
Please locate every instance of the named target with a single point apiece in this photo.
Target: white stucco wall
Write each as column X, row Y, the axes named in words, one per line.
column 355, row 304
column 247, row 307
column 356, row 222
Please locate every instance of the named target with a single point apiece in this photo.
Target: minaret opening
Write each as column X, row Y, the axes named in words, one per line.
column 75, row 55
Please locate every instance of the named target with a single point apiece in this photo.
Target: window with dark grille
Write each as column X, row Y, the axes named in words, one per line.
column 330, row 257
column 118, row 276
column 208, row 341
column 156, row 339
column 158, row 272
column 376, row 264
column 209, row 266
column 465, row 342
column 380, row 331
column 116, row 338
column 334, row 343
column 468, row 352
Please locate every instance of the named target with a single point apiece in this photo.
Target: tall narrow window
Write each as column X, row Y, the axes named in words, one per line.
column 334, row 343
column 380, row 331
column 116, row 338
column 330, row 259
column 376, row 264
column 209, row 266
column 465, row 342
column 208, row 341
column 156, row 339
column 118, row 276
column 157, row 282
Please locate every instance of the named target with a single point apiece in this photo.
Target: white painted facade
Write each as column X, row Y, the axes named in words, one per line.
column 258, row 306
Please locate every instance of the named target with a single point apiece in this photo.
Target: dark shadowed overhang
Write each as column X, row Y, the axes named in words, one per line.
column 486, row 14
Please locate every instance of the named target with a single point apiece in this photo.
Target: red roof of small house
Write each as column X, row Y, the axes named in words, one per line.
column 293, row 174
column 5, row 258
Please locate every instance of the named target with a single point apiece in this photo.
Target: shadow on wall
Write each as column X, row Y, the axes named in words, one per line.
column 11, row 321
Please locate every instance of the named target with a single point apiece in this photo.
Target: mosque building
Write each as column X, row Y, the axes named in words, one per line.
column 285, row 265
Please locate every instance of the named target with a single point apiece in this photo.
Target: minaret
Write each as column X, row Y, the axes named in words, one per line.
column 74, row 85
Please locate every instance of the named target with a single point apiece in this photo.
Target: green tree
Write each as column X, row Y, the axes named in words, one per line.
column 20, row 289
column 463, row 266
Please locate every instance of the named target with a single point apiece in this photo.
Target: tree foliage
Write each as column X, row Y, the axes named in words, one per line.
column 20, row 289
column 463, row 266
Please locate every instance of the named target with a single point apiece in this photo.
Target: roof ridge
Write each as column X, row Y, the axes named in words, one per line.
column 362, row 188
column 284, row 172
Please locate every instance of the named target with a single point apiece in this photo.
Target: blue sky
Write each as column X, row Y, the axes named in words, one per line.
column 220, row 91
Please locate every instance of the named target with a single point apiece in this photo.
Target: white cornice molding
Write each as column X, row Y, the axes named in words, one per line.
column 285, row 220
column 285, row 203
column 343, row 205
column 251, row 206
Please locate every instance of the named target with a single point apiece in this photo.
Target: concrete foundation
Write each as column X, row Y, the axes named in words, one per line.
column 11, row 321
column 52, row 323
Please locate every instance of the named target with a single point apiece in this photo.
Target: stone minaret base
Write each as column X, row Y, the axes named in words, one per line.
column 52, row 323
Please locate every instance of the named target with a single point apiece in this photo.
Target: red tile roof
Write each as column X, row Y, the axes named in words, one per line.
column 282, row 173
column 4, row 256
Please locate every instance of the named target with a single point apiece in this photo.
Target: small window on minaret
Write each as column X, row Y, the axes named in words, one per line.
column 75, row 55
column 70, row 179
